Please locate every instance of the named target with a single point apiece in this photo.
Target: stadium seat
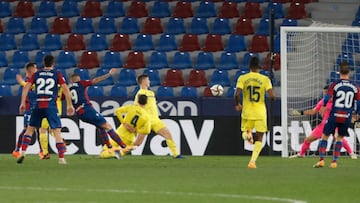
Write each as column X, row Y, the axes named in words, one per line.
column 83, row 26
column 206, row 9
column 264, row 27
column 351, row 44
column 173, row 78
column 244, row 27
column 230, row 92
column 5, row 9
column 9, row 77
column 19, row 59
column 83, row 73
column 252, row 10
column 24, row 9
column 111, row 60
column 154, row 76
column 3, row 59
column 7, row 42
column 296, row 11
column 229, row 10
column 97, row 43
column 207, row 92
column 39, row 56
column 61, row 26
column 29, row 42
column 75, row 42
column 259, row 43
column 197, row 78
column 65, row 60
column 129, row 26
column 158, row 60
column 5, row 90
column 164, row 91
column 118, row 91
column 181, row 60
column 46, row 9
column 188, row 92
column 120, row 42
column 221, row 26
column 190, row 43
column 204, row 61
column 152, row 26
column 246, row 60
column 15, row 25
column 92, row 9
column 95, row 91
column 276, row 64
column 127, row 77
column 166, row 43
column 334, row 75
column 183, row 10
column 88, row 60
column 69, row 8
column 137, row 9
column 213, row 43
column 107, row 81
column 143, row 43
column 198, row 26
column 52, row 42
column 106, row 26
column 228, row 61
column 135, row 60
column 220, row 77
column 277, row 8
column 160, row 9
column 63, row 72
column 175, row 26
column 114, row 9
column 277, row 44
column 38, row 26
column 289, row 22
column 236, row 43
column 348, row 57
column 237, row 75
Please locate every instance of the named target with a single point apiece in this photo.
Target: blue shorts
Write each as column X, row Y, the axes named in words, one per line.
column 27, row 116
column 331, row 125
column 51, row 114
column 89, row 115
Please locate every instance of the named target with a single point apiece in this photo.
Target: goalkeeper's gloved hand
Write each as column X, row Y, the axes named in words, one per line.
column 294, row 112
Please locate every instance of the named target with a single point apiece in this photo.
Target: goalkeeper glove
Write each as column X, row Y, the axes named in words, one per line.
column 294, row 112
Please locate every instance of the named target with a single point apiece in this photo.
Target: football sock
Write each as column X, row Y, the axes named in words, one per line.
column 337, row 148
column 304, row 147
column 25, row 142
column 172, row 146
column 61, row 149
column 322, row 148
column 116, row 138
column 44, row 143
column 19, row 142
column 256, row 151
column 104, row 137
column 347, row 146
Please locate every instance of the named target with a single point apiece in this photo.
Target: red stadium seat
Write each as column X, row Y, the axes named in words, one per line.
column 229, row 10
column 88, row 60
column 137, row 9
column 183, row 10
column 276, row 62
column 244, row 27
column 75, row 42
column 259, row 43
column 152, row 26
column 197, row 78
column 207, row 92
column 120, row 42
column 1, row 27
column 213, row 43
column 297, row 11
column 190, row 43
column 61, row 26
column 252, row 10
column 92, row 9
column 24, row 9
column 173, row 78
column 135, row 60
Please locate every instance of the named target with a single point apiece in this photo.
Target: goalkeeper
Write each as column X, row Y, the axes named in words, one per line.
column 318, row 130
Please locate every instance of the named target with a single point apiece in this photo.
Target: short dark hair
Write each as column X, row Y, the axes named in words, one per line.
column 30, row 65
column 254, row 63
column 49, row 60
column 326, row 87
column 142, row 99
column 141, row 77
column 344, row 68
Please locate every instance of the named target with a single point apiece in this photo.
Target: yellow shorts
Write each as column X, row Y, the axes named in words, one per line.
column 259, row 125
column 157, row 125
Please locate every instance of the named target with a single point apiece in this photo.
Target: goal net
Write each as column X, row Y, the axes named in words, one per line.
column 309, row 61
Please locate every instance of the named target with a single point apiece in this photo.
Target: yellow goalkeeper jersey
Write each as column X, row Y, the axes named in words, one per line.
column 136, row 116
column 151, row 106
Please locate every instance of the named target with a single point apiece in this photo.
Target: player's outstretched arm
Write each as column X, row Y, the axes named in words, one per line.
column 69, row 105
column 104, row 77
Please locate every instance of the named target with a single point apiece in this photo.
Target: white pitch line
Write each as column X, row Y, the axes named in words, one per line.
column 222, row 195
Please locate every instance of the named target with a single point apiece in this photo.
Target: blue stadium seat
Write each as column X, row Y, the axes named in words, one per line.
column 158, row 60
column 118, row 91
column 9, row 77
column 39, row 56
column 29, row 42
column 65, row 60
column 7, row 42
column 52, row 42
column 351, row 44
column 264, row 27
column 334, row 75
column 164, row 91
column 346, row 57
column 153, row 76
column 107, row 81
column 95, row 91
column 277, row 8
column 220, row 77
column 237, row 75
column 83, row 26
column 5, row 90
column 277, row 44
column 19, row 59
column 166, row 43
column 221, row 26
column 129, row 26
column 143, row 43
column 3, row 59
column 38, row 26
column 133, row 93
column 246, row 60
column 5, row 9
column 230, row 92
column 175, row 26
column 97, row 43
column 199, row 26
column 69, row 9
column 204, row 61
column 228, row 61
column 289, row 22
column 83, row 73
column 106, row 26
column 111, row 60
column 181, row 60
column 236, row 43
column 63, row 72
column 114, row 9
column 127, row 77
column 188, row 92
column 46, row 9
column 15, row 25
column 206, row 9
column 160, row 9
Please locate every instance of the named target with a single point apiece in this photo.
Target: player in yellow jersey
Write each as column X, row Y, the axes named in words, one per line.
column 253, row 87
column 135, row 122
column 157, row 125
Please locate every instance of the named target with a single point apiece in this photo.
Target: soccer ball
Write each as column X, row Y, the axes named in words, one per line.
column 217, row 90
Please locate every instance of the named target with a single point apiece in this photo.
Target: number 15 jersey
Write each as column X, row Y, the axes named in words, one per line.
column 254, row 86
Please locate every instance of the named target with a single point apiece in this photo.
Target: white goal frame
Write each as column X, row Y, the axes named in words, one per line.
column 284, row 53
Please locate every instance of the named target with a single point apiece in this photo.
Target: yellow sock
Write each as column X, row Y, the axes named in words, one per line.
column 44, row 142
column 256, row 151
column 172, row 146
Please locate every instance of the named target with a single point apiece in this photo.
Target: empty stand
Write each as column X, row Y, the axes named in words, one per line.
column 181, row 60
column 252, row 10
column 229, row 10
column 204, row 61
column 52, row 42
column 95, row 91
column 38, row 25
column 213, row 43
column 111, row 60
column 61, row 26
column 199, row 26
column 160, row 9
column 228, row 61
column 65, row 60
column 127, row 77
column 183, row 10
column 46, row 9
column 83, row 26
column 164, row 91
column 75, row 42
column 220, row 77
column 259, row 43
column 154, row 76
column 190, row 42
column 5, row 9
column 277, row 8
column 175, row 26
column 106, row 26
column 120, row 42
column 83, row 73
column 207, row 92
column 92, row 9
column 69, row 8
column 188, row 92
column 97, row 43
column 137, row 9
column 5, row 90
column 88, row 60
column 236, row 43
column 158, row 60
column 29, row 42
column 3, row 59
column 7, row 42
column 276, row 64
column 15, row 25
column 107, row 81
column 143, row 42
column 9, row 77
column 173, row 78
column 19, row 59
column 114, row 9
column 118, row 91
column 129, row 26
column 135, row 60
column 244, row 27
column 152, row 26
column 166, row 43
column 206, row 9
column 24, row 9
column 197, row 78
column 297, row 11
column 39, row 56
column 246, row 60
column 221, row 26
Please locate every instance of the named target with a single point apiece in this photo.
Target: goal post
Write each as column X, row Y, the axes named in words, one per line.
column 309, row 61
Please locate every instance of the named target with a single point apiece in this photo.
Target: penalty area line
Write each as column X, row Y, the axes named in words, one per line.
column 218, row 195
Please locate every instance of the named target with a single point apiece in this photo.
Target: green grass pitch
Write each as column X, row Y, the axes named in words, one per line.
column 136, row 179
